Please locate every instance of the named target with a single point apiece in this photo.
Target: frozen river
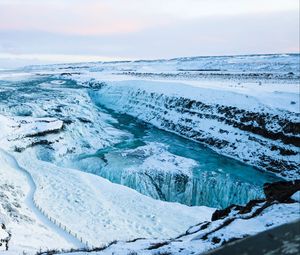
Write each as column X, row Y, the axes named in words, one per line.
column 154, row 162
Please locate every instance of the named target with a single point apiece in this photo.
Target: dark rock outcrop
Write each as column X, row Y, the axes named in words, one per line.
column 278, row 192
column 281, row 191
column 4, row 241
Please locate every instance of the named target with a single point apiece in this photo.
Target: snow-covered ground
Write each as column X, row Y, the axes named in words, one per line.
column 29, row 229
column 192, row 241
column 244, row 107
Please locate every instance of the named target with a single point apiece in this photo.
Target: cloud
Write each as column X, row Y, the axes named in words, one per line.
column 75, row 17
column 274, row 32
column 94, row 17
column 151, row 29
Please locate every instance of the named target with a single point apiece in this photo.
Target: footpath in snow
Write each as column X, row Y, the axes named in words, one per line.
column 38, row 211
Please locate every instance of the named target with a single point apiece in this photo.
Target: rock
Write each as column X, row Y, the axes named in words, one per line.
column 282, row 239
column 221, row 214
column 248, row 207
column 66, row 74
column 216, row 240
column 281, row 191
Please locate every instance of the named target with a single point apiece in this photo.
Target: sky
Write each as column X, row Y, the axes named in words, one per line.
column 53, row 31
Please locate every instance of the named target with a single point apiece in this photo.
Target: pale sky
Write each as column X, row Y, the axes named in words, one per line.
column 41, row 31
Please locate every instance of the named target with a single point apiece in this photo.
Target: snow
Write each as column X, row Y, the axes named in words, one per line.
column 164, row 104
column 19, row 214
column 250, row 95
column 46, row 204
column 296, row 196
column 273, row 216
column 92, row 208
column 34, row 127
column 100, row 211
column 275, row 64
column 5, row 126
column 269, row 97
column 13, row 75
column 157, row 158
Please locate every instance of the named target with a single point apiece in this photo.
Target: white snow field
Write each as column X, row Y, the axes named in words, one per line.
column 37, row 230
column 186, row 136
column 191, row 243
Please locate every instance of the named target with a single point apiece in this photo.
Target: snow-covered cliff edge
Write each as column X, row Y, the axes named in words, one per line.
column 261, row 128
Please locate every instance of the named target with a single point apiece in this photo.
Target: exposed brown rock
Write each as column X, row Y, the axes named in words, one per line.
column 281, row 191
column 274, row 192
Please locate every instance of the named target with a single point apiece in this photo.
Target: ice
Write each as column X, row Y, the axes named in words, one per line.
column 181, row 134
column 153, row 171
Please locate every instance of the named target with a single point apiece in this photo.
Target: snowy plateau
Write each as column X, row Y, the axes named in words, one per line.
column 175, row 156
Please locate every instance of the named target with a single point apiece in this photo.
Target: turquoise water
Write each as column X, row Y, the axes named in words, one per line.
column 215, row 181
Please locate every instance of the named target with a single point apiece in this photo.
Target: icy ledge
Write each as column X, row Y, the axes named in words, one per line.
column 245, row 127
